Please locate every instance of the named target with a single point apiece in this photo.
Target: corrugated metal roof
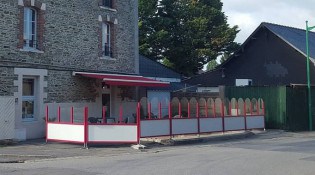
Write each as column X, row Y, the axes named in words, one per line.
column 150, row 68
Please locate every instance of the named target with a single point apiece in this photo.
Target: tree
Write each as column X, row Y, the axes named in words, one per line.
column 212, row 65
column 186, row 33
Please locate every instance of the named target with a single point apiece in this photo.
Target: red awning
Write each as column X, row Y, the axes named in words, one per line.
column 124, row 80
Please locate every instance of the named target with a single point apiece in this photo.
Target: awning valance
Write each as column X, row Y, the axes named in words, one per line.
column 124, row 80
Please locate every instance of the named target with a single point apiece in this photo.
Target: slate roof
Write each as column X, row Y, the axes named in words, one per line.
column 293, row 36
column 150, row 68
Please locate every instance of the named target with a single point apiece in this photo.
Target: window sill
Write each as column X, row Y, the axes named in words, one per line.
column 108, row 8
column 29, row 120
column 31, row 50
column 107, row 58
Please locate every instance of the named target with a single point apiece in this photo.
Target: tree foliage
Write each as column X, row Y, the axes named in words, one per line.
column 186, row 33
column 212, row 65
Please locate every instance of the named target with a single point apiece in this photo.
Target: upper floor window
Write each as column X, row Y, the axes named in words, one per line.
column 30, row 28
column 106, row 40
column 108, row 3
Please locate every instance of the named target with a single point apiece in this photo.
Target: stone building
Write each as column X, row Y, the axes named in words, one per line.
column 59, row 53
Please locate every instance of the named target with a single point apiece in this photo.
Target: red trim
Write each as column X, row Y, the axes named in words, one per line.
column 113, row 124
column 114, row 142
column 65, row 141
column 124, row 80
column 155, row 119
column 66, row 123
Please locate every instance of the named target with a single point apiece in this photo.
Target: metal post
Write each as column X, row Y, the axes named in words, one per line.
column 308, row 78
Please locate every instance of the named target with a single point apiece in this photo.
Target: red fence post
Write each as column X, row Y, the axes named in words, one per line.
column 222, row 113
column 245, row 120
column 86, row 127
column 138, row 124
column 47, row 118
column 197, row 113
column 72, row 114
column 59, row 113
column 170, row 118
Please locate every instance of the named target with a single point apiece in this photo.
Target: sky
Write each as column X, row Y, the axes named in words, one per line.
column 248, row 14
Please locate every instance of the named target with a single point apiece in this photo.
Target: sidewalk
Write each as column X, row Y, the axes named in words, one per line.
column 35, row 150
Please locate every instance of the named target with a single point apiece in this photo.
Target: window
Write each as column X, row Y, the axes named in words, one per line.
column 30, row 28
column 106, row 44
column 108, row 3
column 28, row 98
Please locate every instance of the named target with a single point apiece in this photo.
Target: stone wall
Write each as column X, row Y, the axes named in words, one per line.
column 70, row 43
column 6, row 81
column 63, row 87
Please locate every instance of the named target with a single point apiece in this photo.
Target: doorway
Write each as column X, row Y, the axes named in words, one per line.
column 106, row 104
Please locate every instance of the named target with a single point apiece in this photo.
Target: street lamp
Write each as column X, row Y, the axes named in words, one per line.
column 308, row 77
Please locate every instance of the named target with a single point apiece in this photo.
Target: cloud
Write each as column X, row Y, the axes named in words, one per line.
column 249, row 14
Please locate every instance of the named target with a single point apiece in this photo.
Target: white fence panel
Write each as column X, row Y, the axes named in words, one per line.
column 112, row 133
column 7, row 118
column 65, row 132
column 150, row 128
column 255, row 122
column 234, row 123
column 211, row 125
column 185, row 126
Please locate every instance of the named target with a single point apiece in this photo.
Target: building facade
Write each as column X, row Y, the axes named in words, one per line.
column 44, row 43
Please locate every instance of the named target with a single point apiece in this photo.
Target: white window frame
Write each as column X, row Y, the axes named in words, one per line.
column 30, row 98
column 106, row 38
column 30, row 28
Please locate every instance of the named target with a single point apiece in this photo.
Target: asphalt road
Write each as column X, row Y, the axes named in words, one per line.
column 270, row 153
